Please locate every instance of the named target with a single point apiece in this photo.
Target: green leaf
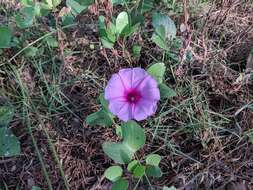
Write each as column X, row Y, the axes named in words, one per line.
column 136, row 15
column 37, row 9
column 133, row 139
column 153, row 171
column 103, row 102
column 159, row 41
column 119, row 152
column 159, row 38
column 122, row 22
column 31, row 51
column 25, row 18
column 100, row 117
column 121, row 184
column 101, row 26
column 5, row 37
column 139, row 171
column 157, row 70
column 26, row 2
column 36, row 188
column 68, row 19
column 132, row 165
column 44, row 10
column 113, row 173
column 106, row 43
column 52, row 3
column 166, row 92
column 119, row 131
column 160, row 30
column 136, row 51
column 77, row 6
column 6, row 115
column 153, row 159
column 9, row 144
column 111, row 32
column 51, row 42
column 147, row 5
column 129, row 30
column 133, row 135
column 159, row 19
column 107, row 36
column 85, row 2
column 169, row 188
column 119, row 2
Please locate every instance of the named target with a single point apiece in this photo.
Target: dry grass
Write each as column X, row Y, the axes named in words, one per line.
column 203, row 135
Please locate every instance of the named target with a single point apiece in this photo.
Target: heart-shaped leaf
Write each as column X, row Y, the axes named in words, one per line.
column 159, row 41
column 9, row 144
column 36, row 188
column 107, row 35
column 147, row 5
column 122, row 22
column 100, row 117
column 31, row 51
column 153, row 171
column 113, row 173
column 159, row 38
column 118, row 131
column 166, row 92
column 132, row 165
column 117, row 2
column 51, row 42
column 6, row 115
column 119, row 152
column 26, row 17
column 153, row 159
column 26, row 2
column 136, row 50
column 77, row 6
column 53, row 3
column 5, row 37
column 159, row 19
column 120, row 184
column 157, row 70
column 133, row 139
column 68, row 19
column 139, row 171
column 133, row 135
column 106, row 43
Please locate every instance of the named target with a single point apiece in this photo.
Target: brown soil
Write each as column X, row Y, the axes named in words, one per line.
column 213, row 158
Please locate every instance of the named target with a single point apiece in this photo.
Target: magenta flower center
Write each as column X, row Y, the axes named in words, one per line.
column 133, row 96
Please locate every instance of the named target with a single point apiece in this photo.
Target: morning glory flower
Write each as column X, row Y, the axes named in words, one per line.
column 132, row 94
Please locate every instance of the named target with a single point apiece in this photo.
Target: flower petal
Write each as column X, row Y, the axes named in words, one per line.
column 138, row 76
column 115, row 88
column 125, row 113
column 121, row 108
column 115, row 105
column 143, row 109
column 126, row 77
column 149, row 89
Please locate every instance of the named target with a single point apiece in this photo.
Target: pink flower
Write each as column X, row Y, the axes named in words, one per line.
column 132, row 94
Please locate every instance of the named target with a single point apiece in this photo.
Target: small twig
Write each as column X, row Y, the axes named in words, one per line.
column 187, row 34
column 97, row 185
column 61, row 47
column 6, row 160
